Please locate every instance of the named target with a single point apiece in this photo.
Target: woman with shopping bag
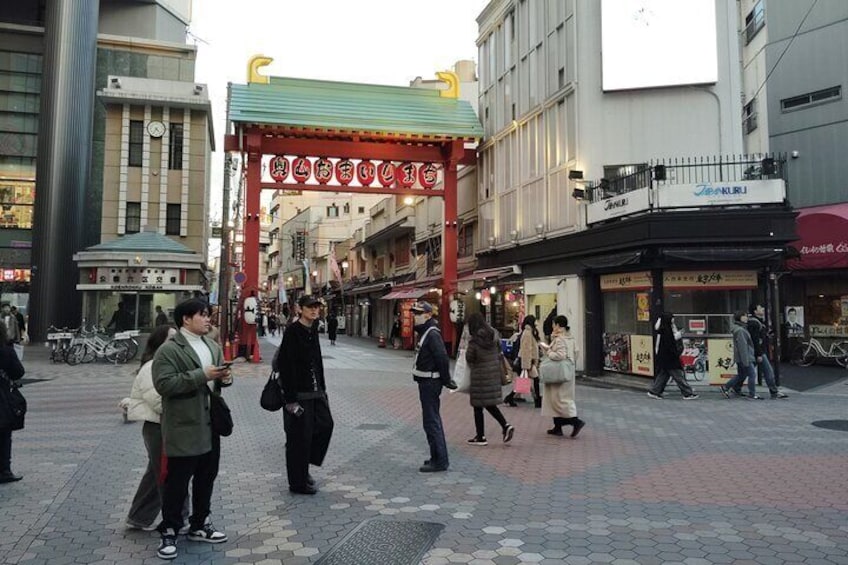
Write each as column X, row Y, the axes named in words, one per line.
column 528, row 352
column 486, row 369
column 558, row 376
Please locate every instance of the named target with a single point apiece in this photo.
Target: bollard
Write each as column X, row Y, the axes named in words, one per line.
column 382, row 342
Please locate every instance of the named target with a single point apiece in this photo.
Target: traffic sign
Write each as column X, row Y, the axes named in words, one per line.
column 240, row 277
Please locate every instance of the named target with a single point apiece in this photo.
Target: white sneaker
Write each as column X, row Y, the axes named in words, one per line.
column 655, row 396
column 207, row 534
column 168, row 545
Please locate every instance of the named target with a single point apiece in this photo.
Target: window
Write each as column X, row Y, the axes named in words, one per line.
column 133, row 223
column 361, row 210
column 465, row 241
column 624, row 178
column 346, row 208
column 172, row 220
column 136, row 147
column 175, row 149
column 750, row 115
column 16, row 199
column 402, row 251
column 831, row 94
column 754, row 21
column 333, row 211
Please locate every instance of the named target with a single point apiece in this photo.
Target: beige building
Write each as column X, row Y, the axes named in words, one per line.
column 155, row 179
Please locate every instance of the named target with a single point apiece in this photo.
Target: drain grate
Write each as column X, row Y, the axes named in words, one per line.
column 384, row 542
column 838, row 425
column 371, row 427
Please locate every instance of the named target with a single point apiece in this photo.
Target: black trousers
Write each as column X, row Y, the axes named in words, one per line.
column 202, row 469
column 5, row 451
column 307, row 438
column 478, row 419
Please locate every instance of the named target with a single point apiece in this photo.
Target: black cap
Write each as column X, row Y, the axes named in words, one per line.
column 308, row 300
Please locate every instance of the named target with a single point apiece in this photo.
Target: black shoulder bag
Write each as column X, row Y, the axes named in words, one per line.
column 272, row 395
column 13, row 405
column 219, row 413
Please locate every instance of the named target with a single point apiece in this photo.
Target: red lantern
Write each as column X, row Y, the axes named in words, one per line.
column 386, row 173
column 428, row 174
column 301, row 169
column 344, row 171
column 406, row 174
column 365, row 172
column 323, row 170
column 279, row 168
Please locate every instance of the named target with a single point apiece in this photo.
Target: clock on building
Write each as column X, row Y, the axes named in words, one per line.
column 156, row 129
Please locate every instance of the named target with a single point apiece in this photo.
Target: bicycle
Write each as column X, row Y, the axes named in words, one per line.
column 95, row 346
column 809, row 352
column 699, row 363
column 128, row 337
column 60, row 342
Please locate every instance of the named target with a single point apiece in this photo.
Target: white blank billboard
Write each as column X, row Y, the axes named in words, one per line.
column 655, row 43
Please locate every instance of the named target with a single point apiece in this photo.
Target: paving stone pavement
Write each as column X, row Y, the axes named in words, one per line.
column 706, row 481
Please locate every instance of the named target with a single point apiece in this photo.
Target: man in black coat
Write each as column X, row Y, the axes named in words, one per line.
column 431, row 371
column 306, row 417
column 759, row 334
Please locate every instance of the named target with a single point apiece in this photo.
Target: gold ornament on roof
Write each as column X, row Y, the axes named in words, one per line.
column 254, row 64
column 450, row 77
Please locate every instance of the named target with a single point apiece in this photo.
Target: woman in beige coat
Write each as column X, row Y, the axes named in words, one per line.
column 558, row 399
column 529, row 354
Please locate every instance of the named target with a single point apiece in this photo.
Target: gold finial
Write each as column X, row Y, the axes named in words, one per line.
column 254, row 64
column 450, row 77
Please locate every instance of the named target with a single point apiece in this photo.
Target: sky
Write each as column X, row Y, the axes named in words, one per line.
column 369, row 41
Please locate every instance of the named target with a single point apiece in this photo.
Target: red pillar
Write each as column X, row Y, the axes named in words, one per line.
column 251, row 233
column 449, row 241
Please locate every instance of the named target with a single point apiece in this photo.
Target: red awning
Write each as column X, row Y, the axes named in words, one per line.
column 823, row 243
column 405, row 293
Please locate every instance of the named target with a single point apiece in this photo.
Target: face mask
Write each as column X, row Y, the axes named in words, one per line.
column 419, row 319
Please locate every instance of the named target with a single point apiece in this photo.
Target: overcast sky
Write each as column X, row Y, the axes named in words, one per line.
column 370, row 41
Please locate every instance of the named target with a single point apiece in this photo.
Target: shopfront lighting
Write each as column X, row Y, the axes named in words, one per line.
column 345, row 264
column 493, row 289
column 478, row 296
column 409, row 201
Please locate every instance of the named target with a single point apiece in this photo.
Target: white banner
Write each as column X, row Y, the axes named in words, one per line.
column 617, row 206
column 771, row 191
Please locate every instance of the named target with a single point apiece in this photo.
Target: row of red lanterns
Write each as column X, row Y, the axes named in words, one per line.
column 386, row 173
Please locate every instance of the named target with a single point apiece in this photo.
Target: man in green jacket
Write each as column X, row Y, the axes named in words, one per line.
column 184, row 369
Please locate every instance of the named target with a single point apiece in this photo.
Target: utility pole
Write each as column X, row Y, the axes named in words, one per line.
column 224, row 262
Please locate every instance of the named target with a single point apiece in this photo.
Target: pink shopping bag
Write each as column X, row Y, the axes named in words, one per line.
column 522, row 385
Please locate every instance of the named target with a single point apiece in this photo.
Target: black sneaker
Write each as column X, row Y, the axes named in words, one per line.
column 509, row 431
column 477, row 441
column 451, row 385
column 207, row 534
column 168, row 545
column 724, row 391
column 779, row 394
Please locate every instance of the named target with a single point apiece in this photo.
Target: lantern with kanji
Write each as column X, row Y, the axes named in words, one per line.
column 406, row 174
column 365, row 172
column 428, row 174
column 278, row 168
column 386, row 173
column 323, row 170
column 301, row 169
column 344, row 171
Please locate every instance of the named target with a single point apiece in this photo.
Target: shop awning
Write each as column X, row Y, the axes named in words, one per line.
column 369, row 288
column 491, row 274
column 405, row 294
column 823, row 243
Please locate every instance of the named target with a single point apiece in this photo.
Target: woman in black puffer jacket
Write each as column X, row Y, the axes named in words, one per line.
column 486, row 366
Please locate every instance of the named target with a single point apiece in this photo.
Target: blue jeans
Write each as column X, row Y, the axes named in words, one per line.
column 743, row 371
column 767, row 373
column 429, row 391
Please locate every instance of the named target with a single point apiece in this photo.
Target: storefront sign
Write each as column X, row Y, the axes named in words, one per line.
column 639, row 280
column 643, row 307
column 117, row 276
column 829, row 330
column 770, row 191
column 642, row 355
column 710, row 279
column 720, row 360
column 136, row 287
column 622, row 205
column 697, row 326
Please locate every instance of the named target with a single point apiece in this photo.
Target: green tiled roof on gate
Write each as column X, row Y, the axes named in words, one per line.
column 304, row 103
column 144, row 242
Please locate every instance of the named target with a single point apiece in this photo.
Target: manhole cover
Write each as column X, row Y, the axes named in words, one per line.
column 383, row 542
column 372, row 426
column 839, row 425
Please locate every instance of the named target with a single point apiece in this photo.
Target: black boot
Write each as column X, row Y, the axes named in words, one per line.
column 509, row 400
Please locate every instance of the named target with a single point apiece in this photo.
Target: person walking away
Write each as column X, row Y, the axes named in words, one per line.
column 146, row 406
column 184, row 367
column 431, row 371
column 306, row 417
column 743, row 355
column 486, row 365
column 13, row 370
column 668, row 346
column 558, row 399
column 548, row 324
column 161, row 317
column 332, row 327
column 758, row 329
column 13, row 331
column 529, row 353
column 272, row 324
column 395, row 332
column 122, row 319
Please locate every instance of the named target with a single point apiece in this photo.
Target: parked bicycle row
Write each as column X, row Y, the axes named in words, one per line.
column 88, row 344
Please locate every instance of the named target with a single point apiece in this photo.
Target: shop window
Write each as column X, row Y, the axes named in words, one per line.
column 136, row 143
column 16, row 198
column 133, row 222
column 715, row 307
column 826, row 315
column 175, row 149
column 172, row 220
